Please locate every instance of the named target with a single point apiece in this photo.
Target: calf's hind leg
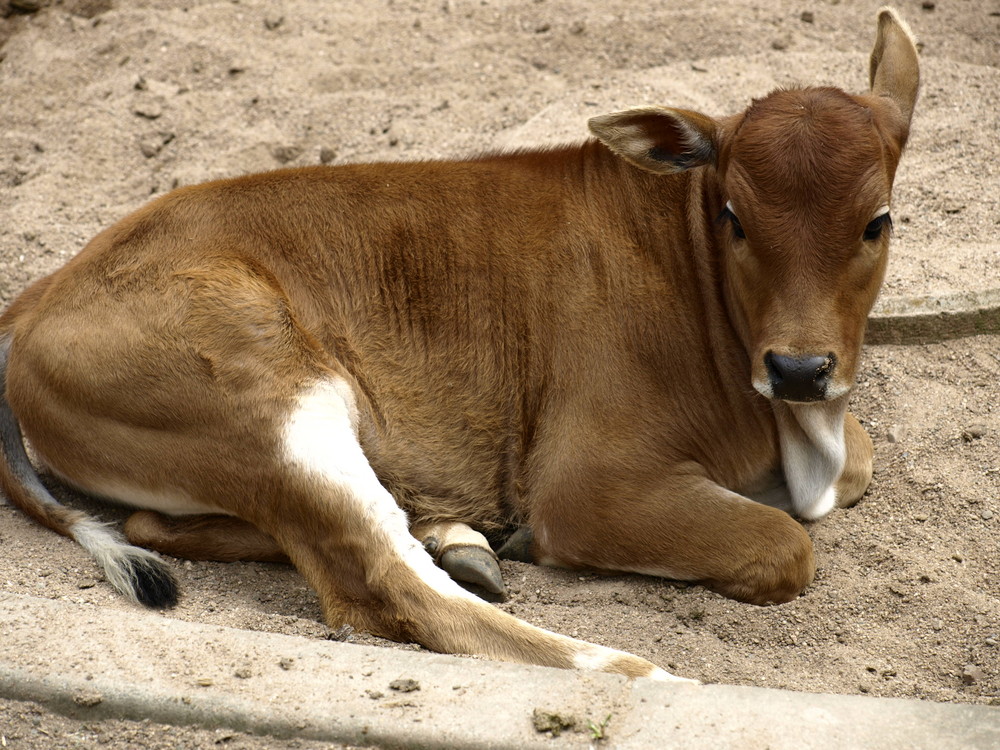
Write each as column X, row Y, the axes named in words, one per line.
column 202, row 537
column 462, row 552
column 346, row 535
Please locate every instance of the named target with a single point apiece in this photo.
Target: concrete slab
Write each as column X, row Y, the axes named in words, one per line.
column 928, row 318
column 97, row 663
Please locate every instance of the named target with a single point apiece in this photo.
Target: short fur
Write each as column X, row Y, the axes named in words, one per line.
column 564, row 339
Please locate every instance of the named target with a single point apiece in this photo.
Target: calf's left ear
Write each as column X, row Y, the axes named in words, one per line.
column 659, row 139
column 894, row 69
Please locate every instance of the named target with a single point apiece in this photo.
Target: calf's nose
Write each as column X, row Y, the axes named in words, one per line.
column 799, row 378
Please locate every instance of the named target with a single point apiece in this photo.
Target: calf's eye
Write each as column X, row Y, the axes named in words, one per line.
column 877, row 226
column 728, row 215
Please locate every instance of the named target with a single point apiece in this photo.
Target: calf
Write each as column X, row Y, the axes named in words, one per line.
column 638, row 350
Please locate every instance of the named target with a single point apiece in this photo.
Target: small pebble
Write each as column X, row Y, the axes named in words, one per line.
column 88, row 699
column 151, row 109
column 404, row 685
column 244, row 673
column 973, row 432
column 326, row 155
column 928, row 5
column 286, row 663
column 86, row 583
column 26, row 6
column 972, row 674
column 807, row 16
column 285, row 154
column 987, row 515
column 204, row 682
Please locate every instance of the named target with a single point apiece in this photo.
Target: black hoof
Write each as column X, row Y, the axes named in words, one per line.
column 476, row 566
column 518, row 546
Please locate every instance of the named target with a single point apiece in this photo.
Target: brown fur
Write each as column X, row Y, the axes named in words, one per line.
column 554, row 338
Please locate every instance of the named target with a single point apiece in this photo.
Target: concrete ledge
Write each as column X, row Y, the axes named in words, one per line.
column 100, row 663
column 930, row 318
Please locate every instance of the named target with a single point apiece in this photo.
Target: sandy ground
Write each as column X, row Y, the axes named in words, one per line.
column 104, row 103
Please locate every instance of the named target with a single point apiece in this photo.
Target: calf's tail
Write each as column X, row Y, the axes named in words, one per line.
column 137, row 573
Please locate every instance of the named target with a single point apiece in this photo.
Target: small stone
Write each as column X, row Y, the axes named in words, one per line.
column 921, row 517
column 895, row 434
column 550, row 722
column 204, row 682
column 972, row 674
column 244, row 673
column 577, row 27
column 543, row 27
column 151, row 109
column 987, row 515
column 928, row 5
column 937, row 625
column 958, row 557
column 273, row 22
column 286, row 663
column 90, row 8
column 991, row 641
column 286, row 154
column 152, row 144
column 374, row 694
column 343, row 633
column 86, row 583
column 973, row 432
column 88, row 698
column 26, row 6
column 404, row 685
column 807, row 16
column 326, row 155
column 779, row 44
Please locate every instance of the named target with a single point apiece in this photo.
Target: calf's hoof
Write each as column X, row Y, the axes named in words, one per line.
column 476, row 566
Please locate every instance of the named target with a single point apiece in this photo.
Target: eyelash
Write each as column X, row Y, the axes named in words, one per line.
column 727, row 215
column 876, row 226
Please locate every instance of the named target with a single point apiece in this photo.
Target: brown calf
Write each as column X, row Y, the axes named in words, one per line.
column 618, row 346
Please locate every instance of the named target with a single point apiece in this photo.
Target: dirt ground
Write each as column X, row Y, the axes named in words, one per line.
column 105, row 103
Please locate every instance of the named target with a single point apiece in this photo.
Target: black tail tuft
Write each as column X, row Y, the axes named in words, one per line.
column 151, row 582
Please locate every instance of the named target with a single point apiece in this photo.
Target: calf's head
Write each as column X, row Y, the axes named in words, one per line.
column 802, row 183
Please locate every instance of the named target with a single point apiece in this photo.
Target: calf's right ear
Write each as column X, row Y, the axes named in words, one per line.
column 659, row 139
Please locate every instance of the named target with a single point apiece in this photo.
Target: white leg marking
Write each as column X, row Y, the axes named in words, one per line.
column 321, row 438
column 596, row 658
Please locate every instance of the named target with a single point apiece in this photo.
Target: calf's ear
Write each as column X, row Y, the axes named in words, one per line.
column 658, row 139
column 894, row 70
